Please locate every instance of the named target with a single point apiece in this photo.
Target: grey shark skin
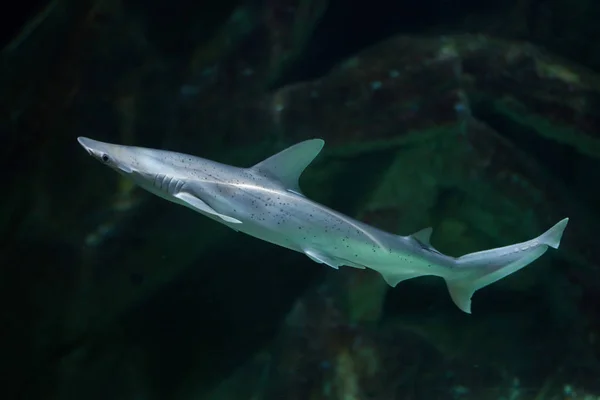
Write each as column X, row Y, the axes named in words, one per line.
column 266, row 202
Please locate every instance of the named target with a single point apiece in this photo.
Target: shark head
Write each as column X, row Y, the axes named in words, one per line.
column 160, row 172
column 172, row 176
column 119, row 158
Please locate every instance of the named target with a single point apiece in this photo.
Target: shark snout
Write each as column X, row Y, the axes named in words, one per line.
column 86, row 143
column 114, row 156
column 95, row 148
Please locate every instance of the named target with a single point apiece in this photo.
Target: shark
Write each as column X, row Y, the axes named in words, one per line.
column 265, row 201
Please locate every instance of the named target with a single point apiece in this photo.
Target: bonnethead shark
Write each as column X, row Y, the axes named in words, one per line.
column 265, row 201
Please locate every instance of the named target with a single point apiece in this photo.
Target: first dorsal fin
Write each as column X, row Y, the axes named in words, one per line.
column 288, row 164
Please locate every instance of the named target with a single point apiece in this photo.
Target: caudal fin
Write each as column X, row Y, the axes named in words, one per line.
column 477, row 270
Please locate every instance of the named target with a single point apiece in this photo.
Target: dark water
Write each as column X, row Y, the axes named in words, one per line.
column 478, row 119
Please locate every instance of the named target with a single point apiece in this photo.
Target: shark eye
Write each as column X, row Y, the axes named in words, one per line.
column 105, row 157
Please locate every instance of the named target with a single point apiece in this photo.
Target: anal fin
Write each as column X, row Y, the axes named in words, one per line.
column 199, row 205
column 394, row 278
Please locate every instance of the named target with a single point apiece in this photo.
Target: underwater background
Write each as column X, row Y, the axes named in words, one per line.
column 479, row 119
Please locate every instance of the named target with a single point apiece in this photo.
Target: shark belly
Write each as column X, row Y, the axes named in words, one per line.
column 297, row 223
column 334, row 239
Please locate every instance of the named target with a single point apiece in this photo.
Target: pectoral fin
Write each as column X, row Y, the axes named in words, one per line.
column 199, row 205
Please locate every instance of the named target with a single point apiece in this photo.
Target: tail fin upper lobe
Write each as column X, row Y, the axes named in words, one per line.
column 476, row 270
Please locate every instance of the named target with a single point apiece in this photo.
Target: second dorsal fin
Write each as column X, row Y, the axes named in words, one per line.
column 424, row 236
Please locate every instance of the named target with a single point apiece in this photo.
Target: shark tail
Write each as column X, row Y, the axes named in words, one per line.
column 474, row 271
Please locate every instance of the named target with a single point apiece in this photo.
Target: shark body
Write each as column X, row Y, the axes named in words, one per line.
column 266, row 202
